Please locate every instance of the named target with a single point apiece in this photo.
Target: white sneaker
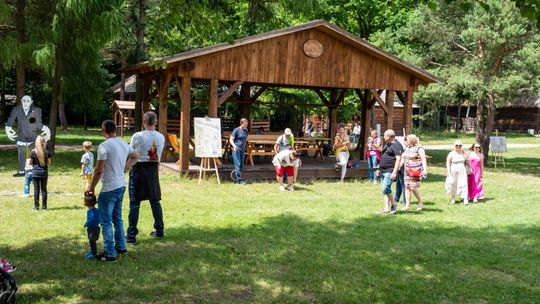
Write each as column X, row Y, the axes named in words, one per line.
column 281, row 188
column 290, row 188
column 452, row 201
column 26, row 195
column 475, row 201
column 465, row 202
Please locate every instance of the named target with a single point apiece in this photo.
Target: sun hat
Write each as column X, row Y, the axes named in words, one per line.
column 458, row 143
column 288, row 131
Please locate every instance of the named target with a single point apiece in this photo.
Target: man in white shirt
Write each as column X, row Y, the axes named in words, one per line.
column 114, row 158
column 286, row 161
column 144, row 177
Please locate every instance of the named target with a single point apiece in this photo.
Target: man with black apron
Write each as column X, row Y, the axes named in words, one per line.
column 144, row 177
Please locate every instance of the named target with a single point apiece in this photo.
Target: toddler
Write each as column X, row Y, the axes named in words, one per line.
column 87, row 163
column 27, row 177
column 91, row 224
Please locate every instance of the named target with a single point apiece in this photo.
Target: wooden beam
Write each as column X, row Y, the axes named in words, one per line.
column 401, row 97
column 163, row 104
column 213, row 98
column 229, row 92
column 364, row 132
column 390, row 105
column 259, row 93
column 321, row 96
column 185, row 108
column 245, row 108
column 407, row 111
column 378, row 98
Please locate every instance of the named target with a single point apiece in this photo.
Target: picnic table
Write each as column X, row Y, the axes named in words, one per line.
column 307, row 144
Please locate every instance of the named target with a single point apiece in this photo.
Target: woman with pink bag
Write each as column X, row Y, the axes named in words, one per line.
column 415, row 165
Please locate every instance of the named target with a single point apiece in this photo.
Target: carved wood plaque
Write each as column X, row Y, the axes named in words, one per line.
column 313, row 48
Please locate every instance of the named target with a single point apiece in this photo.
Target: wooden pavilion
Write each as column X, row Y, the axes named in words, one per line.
column 315, row 55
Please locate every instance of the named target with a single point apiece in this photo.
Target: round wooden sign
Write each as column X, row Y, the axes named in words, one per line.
column 313, row 48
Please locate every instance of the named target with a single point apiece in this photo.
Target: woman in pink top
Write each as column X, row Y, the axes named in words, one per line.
column 476, row 163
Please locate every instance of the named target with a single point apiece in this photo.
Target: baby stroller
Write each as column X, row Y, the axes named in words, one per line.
column 8, row 288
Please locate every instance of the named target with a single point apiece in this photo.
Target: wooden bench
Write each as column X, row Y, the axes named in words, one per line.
column 174, row 147
column 256, row 124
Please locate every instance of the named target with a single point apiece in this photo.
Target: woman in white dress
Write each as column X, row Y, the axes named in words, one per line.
column 456, row 180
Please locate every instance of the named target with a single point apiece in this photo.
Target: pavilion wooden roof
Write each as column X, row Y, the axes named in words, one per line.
column 349, row 52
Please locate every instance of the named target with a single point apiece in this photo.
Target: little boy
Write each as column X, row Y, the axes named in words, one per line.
column 27, row 177
column 87, row 163
column 91, row 224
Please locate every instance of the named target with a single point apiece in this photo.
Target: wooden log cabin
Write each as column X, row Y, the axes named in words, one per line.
column 316, row 55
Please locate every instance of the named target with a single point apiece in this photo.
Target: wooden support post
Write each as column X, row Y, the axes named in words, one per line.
column 407, row 112
column 163, row 106
column 213, row 99
column 185, row 108
column 332, row 114
column 245, row 106
column 389, row 121
column 364, row 132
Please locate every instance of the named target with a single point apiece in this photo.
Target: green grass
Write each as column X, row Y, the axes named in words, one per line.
column 321, row 244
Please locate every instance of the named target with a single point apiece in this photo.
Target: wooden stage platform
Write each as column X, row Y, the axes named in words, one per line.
column 264, row 170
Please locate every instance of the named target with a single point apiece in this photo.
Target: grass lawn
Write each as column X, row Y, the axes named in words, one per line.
column 321, row 244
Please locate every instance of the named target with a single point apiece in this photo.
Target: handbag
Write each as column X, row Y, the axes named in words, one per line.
column 469, row 169
column 414, row 172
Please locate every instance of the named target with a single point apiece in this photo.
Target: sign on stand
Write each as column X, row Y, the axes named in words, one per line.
column 207, row 144
column 498, row 147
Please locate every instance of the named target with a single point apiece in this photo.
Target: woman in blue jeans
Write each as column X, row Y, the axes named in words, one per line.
column 373, row 155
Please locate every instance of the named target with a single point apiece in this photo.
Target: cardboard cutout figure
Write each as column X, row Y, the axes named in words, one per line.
column 29, row 126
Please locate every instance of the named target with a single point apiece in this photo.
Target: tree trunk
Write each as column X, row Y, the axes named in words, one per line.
column 123, row 62
column 62, row 113
column 458, row 120
column 140, row 53
column 486, row 121
column 2, row 96
column 21, row 39
column 56, row 92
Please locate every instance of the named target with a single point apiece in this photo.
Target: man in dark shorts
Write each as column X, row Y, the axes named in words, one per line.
column 144, row 177
column 389, row 167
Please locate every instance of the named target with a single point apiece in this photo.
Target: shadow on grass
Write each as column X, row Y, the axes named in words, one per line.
column 288, row 259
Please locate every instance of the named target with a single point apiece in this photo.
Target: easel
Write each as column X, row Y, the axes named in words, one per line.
column 497, row 151
column 205, row 166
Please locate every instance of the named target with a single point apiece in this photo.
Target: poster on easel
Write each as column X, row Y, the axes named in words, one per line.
column 207, row 137
column 498, row 144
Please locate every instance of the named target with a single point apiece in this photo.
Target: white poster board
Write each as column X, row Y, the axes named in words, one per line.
column 207, row 137
column 498, row 144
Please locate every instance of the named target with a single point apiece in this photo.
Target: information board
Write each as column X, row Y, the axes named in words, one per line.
column 207, row 137
column 498, row 144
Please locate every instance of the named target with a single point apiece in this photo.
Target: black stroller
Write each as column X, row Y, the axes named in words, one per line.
column 8, row 288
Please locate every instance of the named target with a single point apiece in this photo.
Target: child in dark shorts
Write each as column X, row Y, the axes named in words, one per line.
column 91, row 224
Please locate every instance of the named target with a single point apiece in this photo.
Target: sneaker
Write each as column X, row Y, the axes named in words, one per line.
column 44, row 208
column 19, row 174
column 35, row 209
column 90, row 256
column 281, row 188
column 420, row 206
column 465, row 202
column 26, row 195
column 290, row 188
column 102, row 257
column 120, row 251
column 242, row 182
column 475, row 201
column 131, row 241
column 452, row 202
column 154, row 234
column 393, row 209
